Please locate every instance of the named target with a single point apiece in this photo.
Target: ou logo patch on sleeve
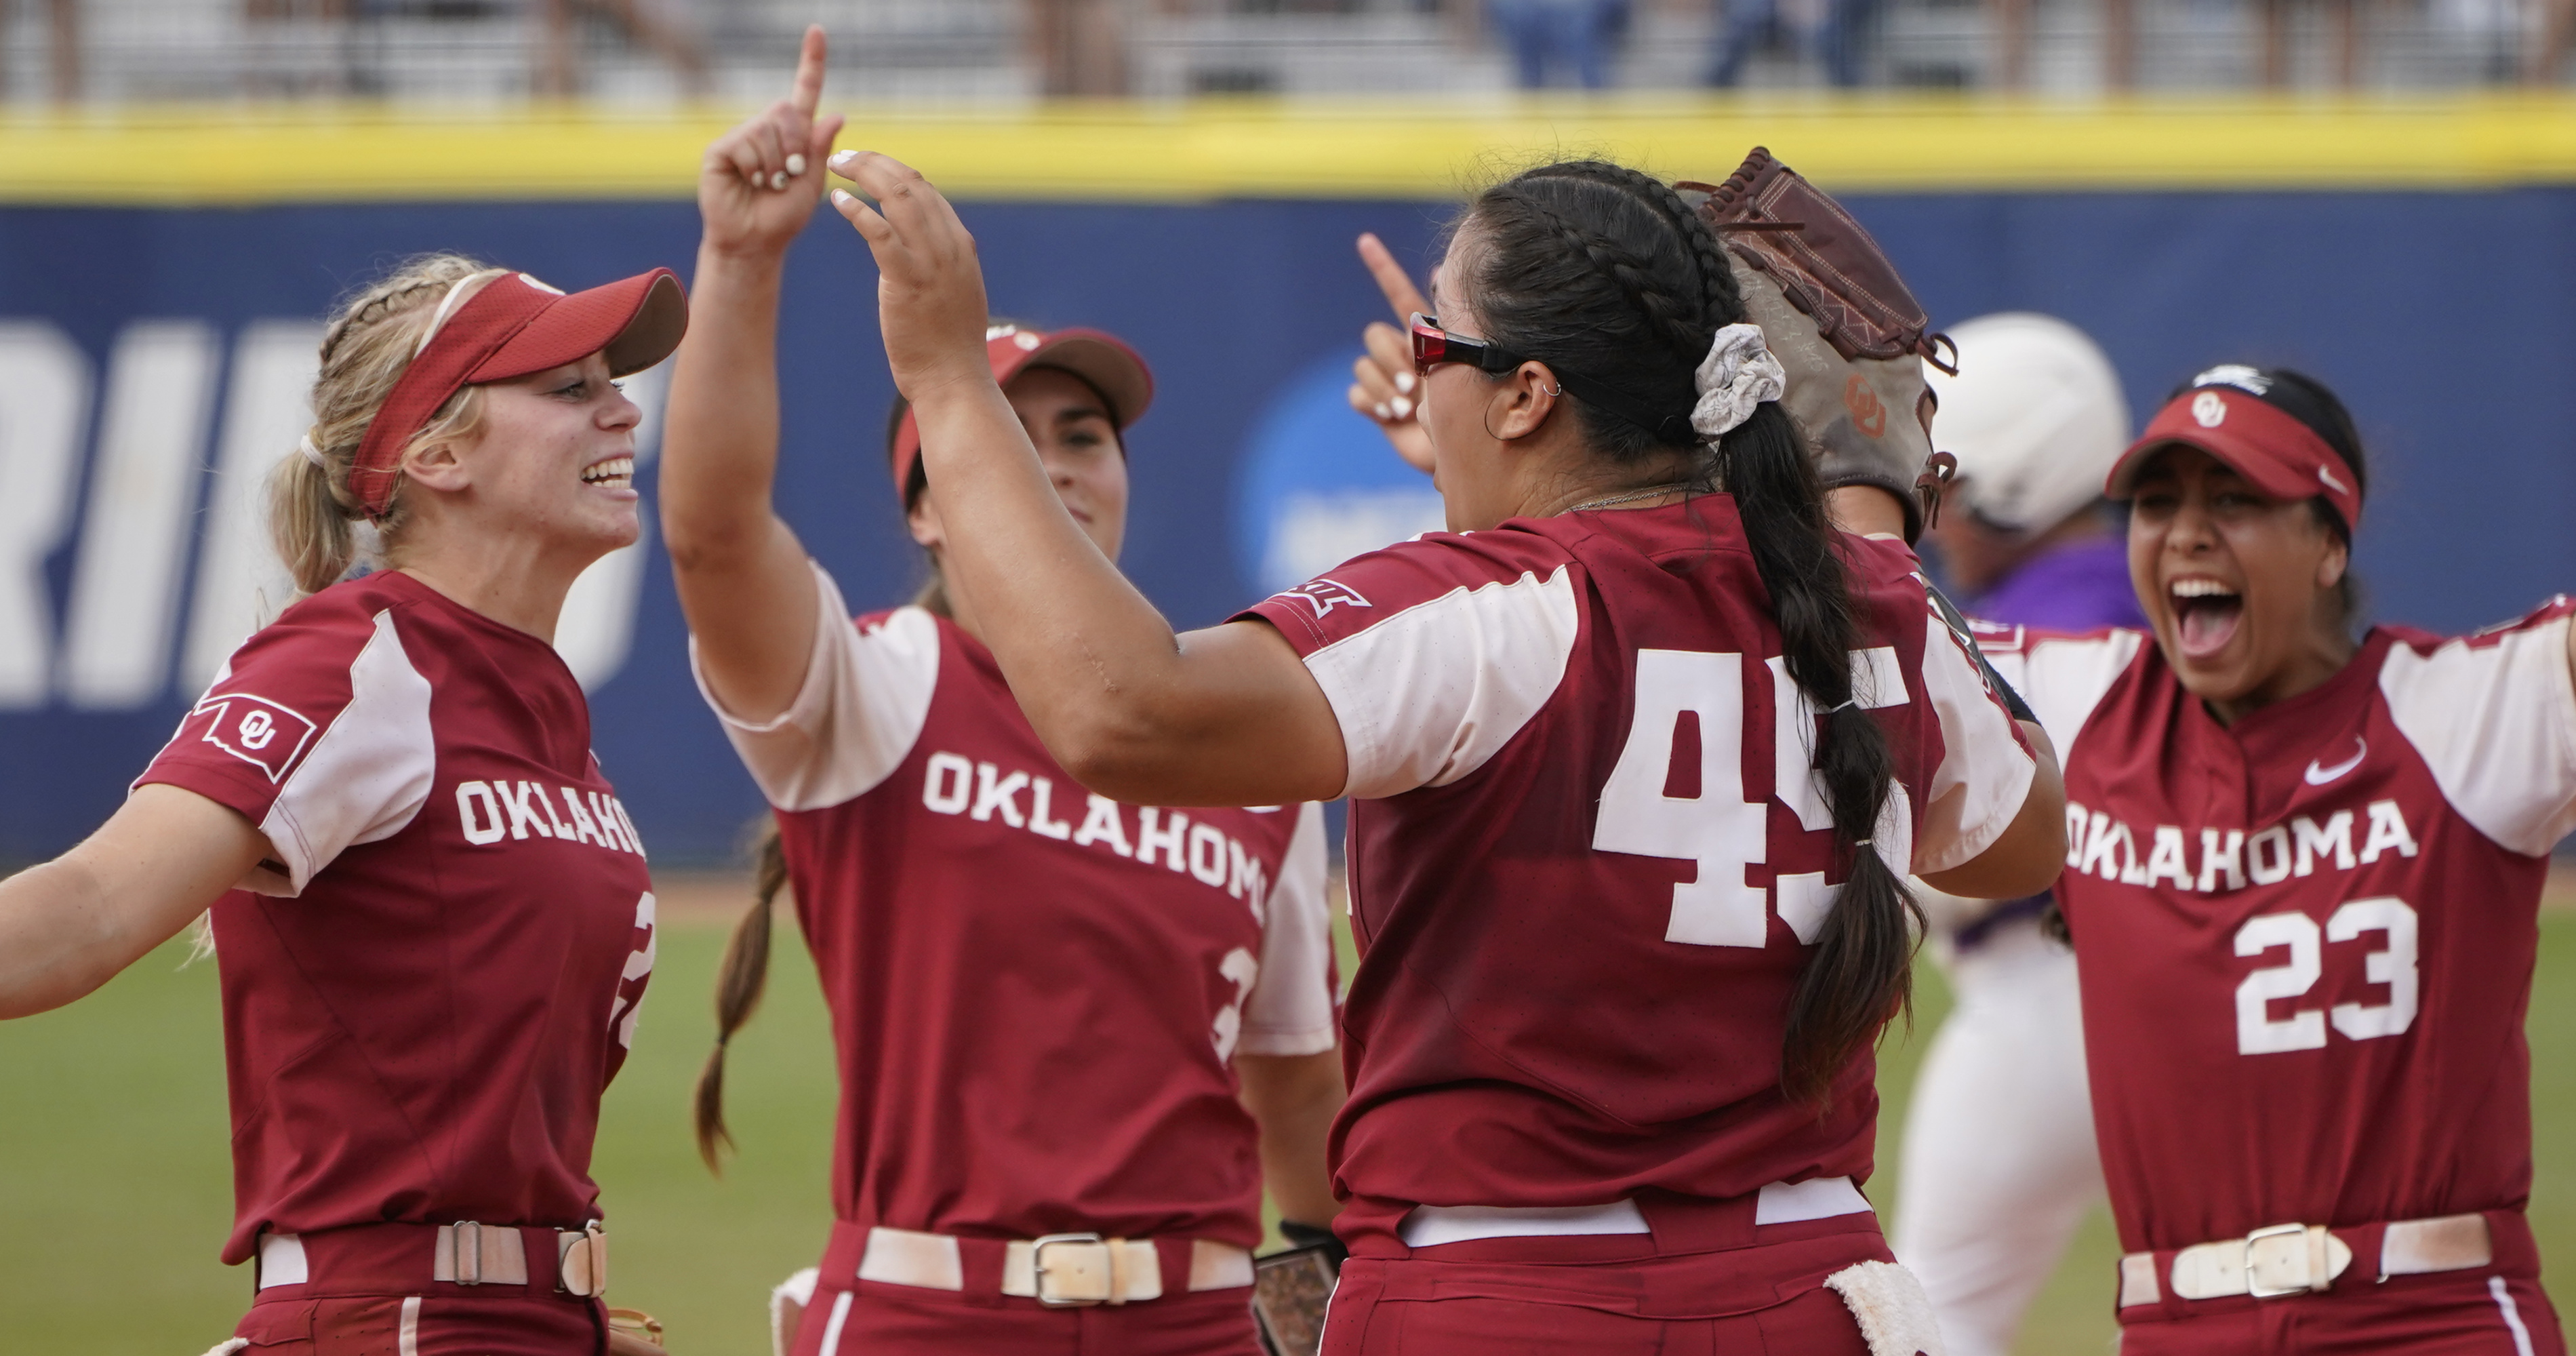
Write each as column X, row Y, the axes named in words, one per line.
column 255, row 730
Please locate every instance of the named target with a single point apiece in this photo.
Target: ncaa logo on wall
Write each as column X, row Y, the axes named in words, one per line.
column 162, row 468
column 1319, row 484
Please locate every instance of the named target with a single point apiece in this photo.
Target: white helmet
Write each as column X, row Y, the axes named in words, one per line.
column 2035, row 417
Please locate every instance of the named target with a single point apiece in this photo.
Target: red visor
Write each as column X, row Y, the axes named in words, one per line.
column 498, row 325
column 1102, row 359
column 2257, row 439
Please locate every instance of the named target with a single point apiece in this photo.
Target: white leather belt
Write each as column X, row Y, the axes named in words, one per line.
column 466, row 1253
column 1428, row 1226
column 1059, row 1269
column 2302, row 1259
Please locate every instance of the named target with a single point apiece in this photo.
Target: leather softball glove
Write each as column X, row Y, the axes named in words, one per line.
column 1843, row 324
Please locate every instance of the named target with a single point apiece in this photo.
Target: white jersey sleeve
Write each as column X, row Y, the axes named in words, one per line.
column 1984, row 774
column 1291, row 1008
column 317, row 730
column 2061, row 677
column 2494, row 717
column 863, row 703
column 1457, row 654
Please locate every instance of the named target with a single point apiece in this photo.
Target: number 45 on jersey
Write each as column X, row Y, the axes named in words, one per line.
column 1687, row 696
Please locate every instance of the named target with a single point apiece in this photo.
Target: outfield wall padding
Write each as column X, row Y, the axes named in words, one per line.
column 2447, row 319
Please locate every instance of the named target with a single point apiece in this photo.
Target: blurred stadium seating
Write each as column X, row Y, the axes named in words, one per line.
column 654, row 51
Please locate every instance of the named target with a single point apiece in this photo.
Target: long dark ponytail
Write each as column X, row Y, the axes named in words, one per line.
column 741, row 980
column 1607, row 271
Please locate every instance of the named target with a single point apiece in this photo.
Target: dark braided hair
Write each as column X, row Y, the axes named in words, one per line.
column 1605, row 271
column 742, row 979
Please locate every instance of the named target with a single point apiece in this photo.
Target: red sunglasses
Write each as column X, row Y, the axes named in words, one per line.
column 1433, row 346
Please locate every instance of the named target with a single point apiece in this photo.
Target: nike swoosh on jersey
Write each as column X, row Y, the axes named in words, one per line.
column 2319, row 776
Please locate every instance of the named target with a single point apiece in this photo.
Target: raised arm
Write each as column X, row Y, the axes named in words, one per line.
column 2027, row 857
column 1293, row 1099
column 1384, row 385
column 744, row 585
column 1224, row 716
column 70, row 925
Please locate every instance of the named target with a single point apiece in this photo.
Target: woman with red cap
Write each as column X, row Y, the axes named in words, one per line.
column 432, row 916
column 2303, row 877
column 1075, row 1036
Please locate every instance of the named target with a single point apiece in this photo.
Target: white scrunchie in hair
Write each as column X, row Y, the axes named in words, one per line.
column 1738, row 374
column 311, row 453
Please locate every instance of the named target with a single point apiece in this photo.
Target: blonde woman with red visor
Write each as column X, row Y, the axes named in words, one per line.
column 1075, row 1037
column 431, row 914
column 2303, row 877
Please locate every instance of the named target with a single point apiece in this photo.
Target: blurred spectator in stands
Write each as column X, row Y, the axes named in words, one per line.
column 557, row 71
column 2546, row 58
column 2343, row 20
column 1081, row 47
column 62, row 46
column 1832, row 31
column 1546, row 36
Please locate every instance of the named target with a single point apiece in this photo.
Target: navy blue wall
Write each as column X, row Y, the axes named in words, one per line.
column 2460, row 378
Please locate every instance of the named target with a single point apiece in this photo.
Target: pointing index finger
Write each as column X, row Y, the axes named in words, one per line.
column 808, row 91
column 1392, row 280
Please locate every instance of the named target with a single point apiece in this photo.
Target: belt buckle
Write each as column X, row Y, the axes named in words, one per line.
column 2254, row 1285
column 465, row 1237
column 1038, row 1269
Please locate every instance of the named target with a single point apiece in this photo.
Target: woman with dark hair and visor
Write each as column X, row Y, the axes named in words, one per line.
column 432, row 916
column 1637, row 768
column 1075, row 1036
column 2303, row 877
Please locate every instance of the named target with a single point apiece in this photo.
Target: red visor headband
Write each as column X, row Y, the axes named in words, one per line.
column 471, row 339
column 2260, row 441
column 1115, row 370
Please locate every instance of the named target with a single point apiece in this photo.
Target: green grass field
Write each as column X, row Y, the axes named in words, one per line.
column 115, row 1190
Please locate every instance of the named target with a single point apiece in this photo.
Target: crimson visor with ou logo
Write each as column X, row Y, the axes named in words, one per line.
column 1115, row 370
column 499, row 324
column 2228, row 413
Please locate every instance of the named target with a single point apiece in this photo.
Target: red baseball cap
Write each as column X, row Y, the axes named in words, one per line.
column 1115, row 370
column 2244, row 416
column 499, row 324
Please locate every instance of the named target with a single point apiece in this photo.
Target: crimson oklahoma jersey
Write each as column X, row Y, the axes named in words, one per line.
column 2306, row 939
column 430, row 983
column 1035, row 991
column 1588, row 856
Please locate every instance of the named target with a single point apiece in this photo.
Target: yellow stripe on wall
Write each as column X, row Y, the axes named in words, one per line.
column 231, row 154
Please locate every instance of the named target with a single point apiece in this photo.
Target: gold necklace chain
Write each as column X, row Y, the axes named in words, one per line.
column 1647, row 493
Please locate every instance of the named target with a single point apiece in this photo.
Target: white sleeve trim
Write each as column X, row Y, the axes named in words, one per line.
column 367, row 776
column 1432, row 693
column 1290, row 1010
column 2496, row 724
column 2063, row 680
column 1984, row 776
column 862, row 705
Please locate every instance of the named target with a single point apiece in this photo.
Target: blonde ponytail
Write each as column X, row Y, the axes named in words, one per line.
column 315, row 521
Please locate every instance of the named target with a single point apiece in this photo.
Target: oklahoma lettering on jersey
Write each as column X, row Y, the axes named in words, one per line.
column 1035, row 991
column 435, row 976
column 1588, row 854
column 2306, row 939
